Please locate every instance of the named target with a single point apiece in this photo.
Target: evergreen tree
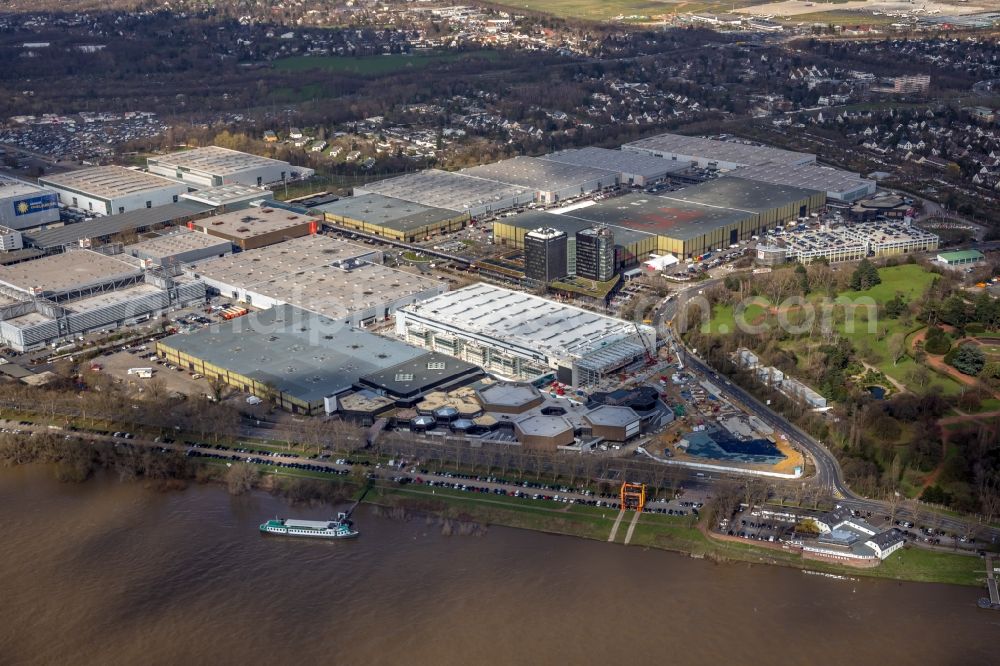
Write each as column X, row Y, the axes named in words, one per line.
column 865, row 276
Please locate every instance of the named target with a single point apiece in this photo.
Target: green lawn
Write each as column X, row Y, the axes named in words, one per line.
column 909, row 279
column 601, row 10
column 377, row 64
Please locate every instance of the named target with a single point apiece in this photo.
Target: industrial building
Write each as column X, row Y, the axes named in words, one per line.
column 615, row 423
column 840, row 186
column 545, row 252
column 460, row 192
column 229, row 197
column 961, row 258
column 400, row 220
column 595, row 253
column 410, row 381
column 212, row 166
column 110, row 190
column 521, row 336
column 698, row 219
column 550, row 180
column 889, row 206
column 94, row 232
column 340, row 280
column 541, row 432
column 296, row 358
column 633, row 169
column 255, row 228
column 180, row 246
column 10, row 239
column 884, row 239
column 26, row 206
column 713, row 154
column 63, row 296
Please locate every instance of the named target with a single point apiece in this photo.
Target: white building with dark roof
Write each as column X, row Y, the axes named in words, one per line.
column 109, row 190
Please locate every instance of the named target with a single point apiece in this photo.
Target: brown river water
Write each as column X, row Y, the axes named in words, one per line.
column 110, row 573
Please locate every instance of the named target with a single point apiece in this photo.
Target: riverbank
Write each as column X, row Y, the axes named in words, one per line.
column 168, row 470
column 670, row 533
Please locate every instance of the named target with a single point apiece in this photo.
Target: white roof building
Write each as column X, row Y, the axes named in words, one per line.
column 213, row 166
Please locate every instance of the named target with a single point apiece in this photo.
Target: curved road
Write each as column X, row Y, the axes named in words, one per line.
column 829, row 475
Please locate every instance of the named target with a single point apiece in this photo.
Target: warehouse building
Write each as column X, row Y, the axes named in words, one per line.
column 884, row 239
column 26, row 206
column 408, row 382
column 634, row 169
column 521, row 336
column 99, row 230
column 961, row 258
column 229, row 197
column 212, row 166
column 400, row 220
column 713, row 154
column 180, row 246
column 298, row 359
column 840, row 186
column 63, row 296
column 551, row 181
column 255, row 228
column 691, row 222
column 339, row 280
column 459, row 192
column 629, row 245
column 110, row 190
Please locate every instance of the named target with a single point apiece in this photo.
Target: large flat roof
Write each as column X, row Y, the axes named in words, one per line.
column 109, row 182
column 420, row 374
column 445, row 189
column 810, row 176
column 229, row 194
column 251, row 222
column 63, row 272
column 735, row 151
column 742, row 195
column 178, row 241
column 267, row 263
column 109, row 225
column 529, row 321
column 304, row 354
column 389, row 212
column 540, row 174
column 17, row 188
column 570, row 223
column 217, row 161
column 673, row 218
column 317, row 273
column 619, row 161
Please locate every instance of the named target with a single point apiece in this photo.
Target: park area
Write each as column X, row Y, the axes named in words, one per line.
column 851, row 319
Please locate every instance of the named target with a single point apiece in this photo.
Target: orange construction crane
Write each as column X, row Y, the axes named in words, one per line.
column 633, row 496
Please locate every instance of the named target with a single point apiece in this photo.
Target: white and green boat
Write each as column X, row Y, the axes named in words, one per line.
column 342, row 528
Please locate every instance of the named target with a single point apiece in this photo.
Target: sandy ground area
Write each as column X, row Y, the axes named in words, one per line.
column 920, row 7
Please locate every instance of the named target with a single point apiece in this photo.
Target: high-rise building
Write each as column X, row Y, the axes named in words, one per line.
column 545, row 255
column 595, row 253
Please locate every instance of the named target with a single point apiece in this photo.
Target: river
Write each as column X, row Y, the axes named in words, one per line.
column 112, row 573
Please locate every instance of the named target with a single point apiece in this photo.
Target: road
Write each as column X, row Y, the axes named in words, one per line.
column 829, row 475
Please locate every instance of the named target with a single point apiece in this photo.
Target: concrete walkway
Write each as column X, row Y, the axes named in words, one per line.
column 614, row 528
column 631, row 527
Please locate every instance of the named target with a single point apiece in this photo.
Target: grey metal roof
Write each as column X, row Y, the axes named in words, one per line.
column 389, row 212
column 306, row 355
column 110, row 225
column 417, row 375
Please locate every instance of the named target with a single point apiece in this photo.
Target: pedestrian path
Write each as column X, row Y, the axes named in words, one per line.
column 631, row 527
column 991, row 581
column 614, row 528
